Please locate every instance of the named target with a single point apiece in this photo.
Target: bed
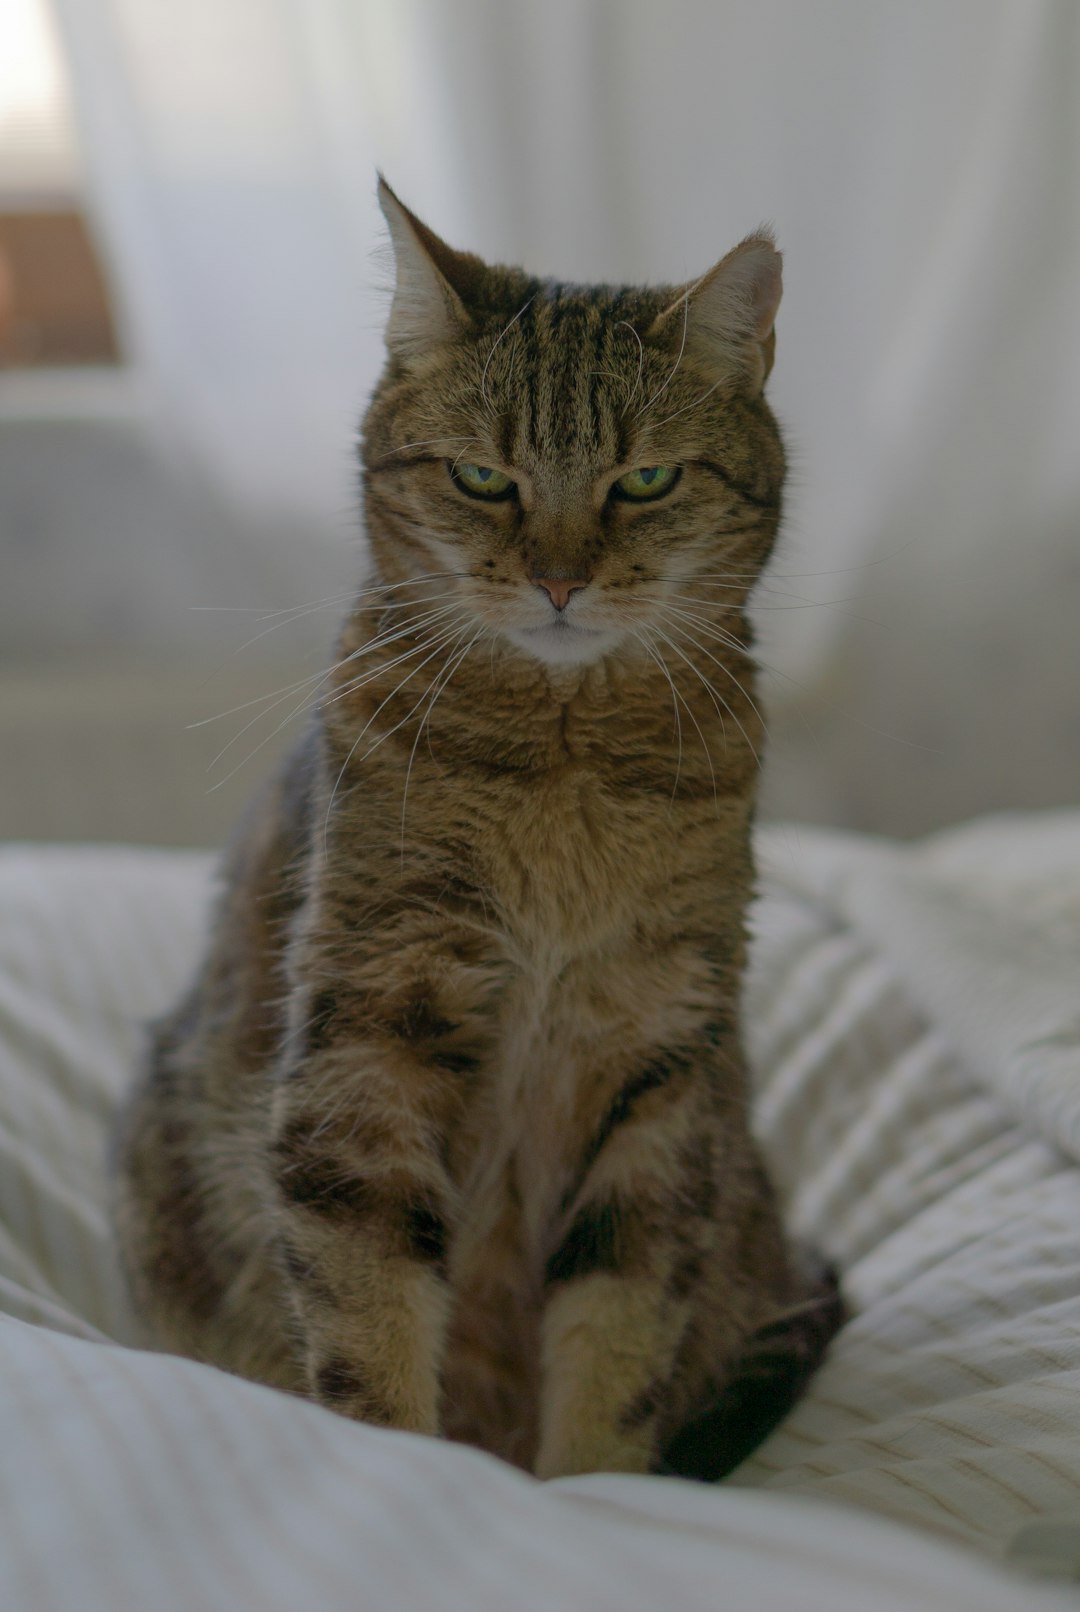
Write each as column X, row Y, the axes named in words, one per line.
column 914, row 1019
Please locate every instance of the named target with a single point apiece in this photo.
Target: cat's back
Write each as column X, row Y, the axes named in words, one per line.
column 195, row 1131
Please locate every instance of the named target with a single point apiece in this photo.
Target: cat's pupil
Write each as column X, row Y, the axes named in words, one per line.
column 483, row 473
column 649, row 476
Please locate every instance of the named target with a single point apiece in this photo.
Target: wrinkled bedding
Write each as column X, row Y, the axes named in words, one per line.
column 914, row 1021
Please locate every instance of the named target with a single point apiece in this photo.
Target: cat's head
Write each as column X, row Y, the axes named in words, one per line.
column 576, row 469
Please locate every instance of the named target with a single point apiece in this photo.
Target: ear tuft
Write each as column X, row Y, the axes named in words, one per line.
column 426, row 310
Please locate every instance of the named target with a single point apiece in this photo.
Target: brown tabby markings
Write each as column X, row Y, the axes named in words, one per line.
column 451, row 1131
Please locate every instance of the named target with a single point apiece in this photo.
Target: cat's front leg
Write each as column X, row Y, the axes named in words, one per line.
column 669, row 1255
column 365, row 1213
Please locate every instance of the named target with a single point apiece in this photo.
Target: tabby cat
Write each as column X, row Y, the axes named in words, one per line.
column 451, row 1132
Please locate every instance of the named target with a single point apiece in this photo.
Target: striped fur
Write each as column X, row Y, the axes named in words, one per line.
column 451, row 1132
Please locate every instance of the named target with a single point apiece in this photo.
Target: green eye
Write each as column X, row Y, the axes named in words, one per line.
column 481, row 481
column 650, row 481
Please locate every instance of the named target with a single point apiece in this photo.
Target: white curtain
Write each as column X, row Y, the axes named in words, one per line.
column 920, row 160
column 228, row 221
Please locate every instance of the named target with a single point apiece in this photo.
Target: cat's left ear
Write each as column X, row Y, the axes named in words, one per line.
column 430, row 281
column 730, row 313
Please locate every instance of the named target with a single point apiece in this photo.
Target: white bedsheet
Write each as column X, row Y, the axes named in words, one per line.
column 915, row 1024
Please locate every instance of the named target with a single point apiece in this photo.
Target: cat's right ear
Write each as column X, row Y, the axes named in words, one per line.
column 427, row 310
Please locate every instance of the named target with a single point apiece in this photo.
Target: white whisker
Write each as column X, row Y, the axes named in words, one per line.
column 678, row 360
column 457, row 460
column 717, row 699
column 710, row 629
column 438, row 622
column 641, row 361
column 502, row 334
column 310, row 700
column 693, row 718
column 372, row 748
column 712, row 690
column 744, row 587
column 278, row 696
column 287, row 617
column 430, row 442
column 658, row 660
column 261, row 612
column 656, row 424
column 438, row 684
column 281, row 695
column 384, row 607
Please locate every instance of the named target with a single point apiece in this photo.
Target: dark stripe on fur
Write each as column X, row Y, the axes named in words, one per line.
column 420, row 1020
column 643, row 1408
column 655, row 1074
column 319, row 1184
column 318, row 1033
column 591, row 1244
column 456, row 1063
column 738, row 487
column 338, row 1379
column 296, row 1264
column 658, row 1072
column 426, row 1232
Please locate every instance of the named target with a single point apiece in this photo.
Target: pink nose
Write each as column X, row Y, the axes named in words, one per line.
column 559, row 591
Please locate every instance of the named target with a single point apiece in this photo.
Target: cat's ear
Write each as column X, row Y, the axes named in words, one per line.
column 427, row 309
column 730, row 313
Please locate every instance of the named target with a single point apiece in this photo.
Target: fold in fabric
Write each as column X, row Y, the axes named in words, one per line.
column 961, row 919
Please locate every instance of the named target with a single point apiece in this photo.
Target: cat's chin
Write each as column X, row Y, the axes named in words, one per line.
column 562, row 643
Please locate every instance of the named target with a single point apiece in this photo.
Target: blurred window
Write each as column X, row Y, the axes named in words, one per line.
column 54, row 303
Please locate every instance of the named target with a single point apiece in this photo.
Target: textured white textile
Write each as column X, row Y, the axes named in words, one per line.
column 914, row 1026
column 914, row 1020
